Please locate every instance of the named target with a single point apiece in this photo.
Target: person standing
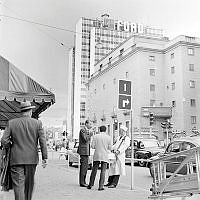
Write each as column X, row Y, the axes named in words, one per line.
column 117, row 168
column 22, row 136
column 84, row 151
column 102, row 144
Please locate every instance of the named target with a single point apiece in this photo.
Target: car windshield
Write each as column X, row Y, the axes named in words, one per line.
column 150, row 143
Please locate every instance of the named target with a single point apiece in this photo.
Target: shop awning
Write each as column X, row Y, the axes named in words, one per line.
column 15, row 86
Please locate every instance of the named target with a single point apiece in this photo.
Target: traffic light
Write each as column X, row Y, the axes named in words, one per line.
column 170, row 125
column 115, row 124
column 164, row 125
column 151, row 118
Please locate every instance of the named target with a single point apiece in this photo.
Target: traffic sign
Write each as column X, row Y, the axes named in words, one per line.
column 124, row 87
column 124, row 102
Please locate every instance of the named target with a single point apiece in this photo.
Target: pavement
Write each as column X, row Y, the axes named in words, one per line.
column 58, row 182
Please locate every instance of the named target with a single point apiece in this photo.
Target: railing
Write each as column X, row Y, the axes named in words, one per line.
column 179, row 184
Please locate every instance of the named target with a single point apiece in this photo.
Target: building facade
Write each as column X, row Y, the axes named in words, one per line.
column 94, row 39
column 165, row 77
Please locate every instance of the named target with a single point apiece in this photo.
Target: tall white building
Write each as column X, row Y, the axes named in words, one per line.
column 165, row 76
column 95, row 38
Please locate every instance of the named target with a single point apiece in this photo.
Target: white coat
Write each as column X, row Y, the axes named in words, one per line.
column 117, row 167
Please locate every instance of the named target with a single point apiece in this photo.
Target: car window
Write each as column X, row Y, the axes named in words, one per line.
column 173, row 147
column 186, row 146
column 150, row 143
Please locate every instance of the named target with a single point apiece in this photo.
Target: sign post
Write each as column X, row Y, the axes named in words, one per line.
column 124, row 103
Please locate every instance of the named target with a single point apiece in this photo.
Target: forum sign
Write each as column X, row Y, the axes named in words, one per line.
column 130, row 27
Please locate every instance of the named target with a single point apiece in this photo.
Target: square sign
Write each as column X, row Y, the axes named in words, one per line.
column 124, row 87
column 124, row 102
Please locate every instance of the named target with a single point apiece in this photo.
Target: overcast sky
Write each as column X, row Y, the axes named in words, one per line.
column 37, row 50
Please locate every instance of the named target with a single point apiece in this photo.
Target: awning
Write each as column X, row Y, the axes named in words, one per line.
column 15, row 87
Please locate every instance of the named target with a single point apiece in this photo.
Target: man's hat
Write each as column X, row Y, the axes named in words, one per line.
column 26, row 106
column 124, row 128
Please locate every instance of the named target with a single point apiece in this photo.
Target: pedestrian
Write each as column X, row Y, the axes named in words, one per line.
column 102, row 144
column 84, row 151
column 22, row 136
column 117, row 167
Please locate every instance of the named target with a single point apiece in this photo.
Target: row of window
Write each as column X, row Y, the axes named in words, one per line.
column 173, row 86
column 85, row 69
column 192, row 103
column 111, row 35
column 153, row 71
column 190, row 51
column 191, row 85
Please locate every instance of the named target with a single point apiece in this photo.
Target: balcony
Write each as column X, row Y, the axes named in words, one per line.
column 159, row 112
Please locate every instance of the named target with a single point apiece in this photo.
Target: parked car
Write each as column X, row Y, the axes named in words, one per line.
column 144, row 148
column 73, row 156
column 178, row 145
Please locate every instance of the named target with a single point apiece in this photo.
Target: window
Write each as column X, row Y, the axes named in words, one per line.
column 172, row 55
column 151, row 58
column 152, row 102
column 173, row 70
column 190, row 51
column 173, row 103
column 173, row 86
column 192, row 84
column 121, row 52
column 152, row 87
column 126, row 74
column 193, row 119
column 100, row 67
column 192, row 103
column 174, row 147
column 109, row 61
column 191, row 67
column 152, row 72
column 186, row 146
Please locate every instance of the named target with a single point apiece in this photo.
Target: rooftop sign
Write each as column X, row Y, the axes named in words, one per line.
column 119, row 25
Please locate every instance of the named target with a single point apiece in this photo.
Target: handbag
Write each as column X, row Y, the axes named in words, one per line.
column 5, row 176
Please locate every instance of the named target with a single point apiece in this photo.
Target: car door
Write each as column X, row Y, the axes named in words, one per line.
column 172, row 164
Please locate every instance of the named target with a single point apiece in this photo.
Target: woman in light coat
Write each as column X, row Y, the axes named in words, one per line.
column 117, row 168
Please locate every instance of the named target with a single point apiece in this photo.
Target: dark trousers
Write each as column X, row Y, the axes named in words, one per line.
column 23, row 181
column 102, row 174
column 83, row 169
column 113, row 180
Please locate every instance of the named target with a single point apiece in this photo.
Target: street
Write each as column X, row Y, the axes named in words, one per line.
column 57, row 182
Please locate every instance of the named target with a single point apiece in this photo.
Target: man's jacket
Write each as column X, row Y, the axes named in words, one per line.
column 23, row 134
column 84, row 142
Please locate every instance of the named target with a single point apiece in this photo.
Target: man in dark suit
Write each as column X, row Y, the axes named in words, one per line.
column 22, row 135
column 84, row 151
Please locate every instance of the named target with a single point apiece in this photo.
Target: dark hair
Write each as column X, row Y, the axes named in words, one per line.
column 102, row 129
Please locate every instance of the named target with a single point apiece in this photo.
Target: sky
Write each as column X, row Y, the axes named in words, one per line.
column 42, row 52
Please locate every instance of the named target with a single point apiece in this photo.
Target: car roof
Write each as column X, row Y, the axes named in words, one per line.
column 195, row 140
column 145, row 139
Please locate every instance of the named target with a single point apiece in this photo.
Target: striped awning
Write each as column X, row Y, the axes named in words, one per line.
column 15, row 87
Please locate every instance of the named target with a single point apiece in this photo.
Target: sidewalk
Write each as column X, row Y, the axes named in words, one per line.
column 57, row 182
